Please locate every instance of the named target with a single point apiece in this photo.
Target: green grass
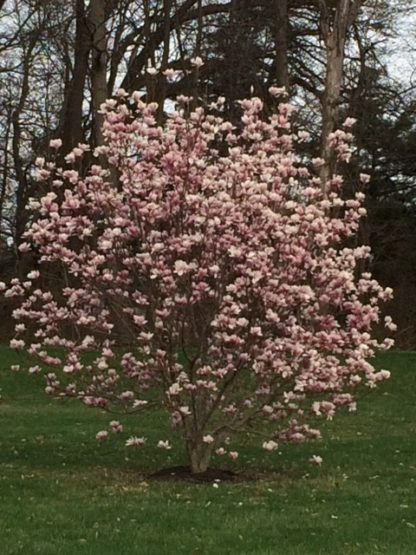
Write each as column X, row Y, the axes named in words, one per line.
column 62, row 493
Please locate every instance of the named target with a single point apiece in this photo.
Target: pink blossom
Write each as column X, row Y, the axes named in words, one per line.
column 116, row 427
column 208, row 439
column 164, row 445
column 174, row 389
column 364, row 178
column 55, row 143
column 197, row 61
column 135, row 441
column 171, row 74
column 277, row 91
column 24, row 247
column 349, row 122
column 138, row 403
column 316, row 460
column 102, row 435
column 17, row 344
column 270, row 445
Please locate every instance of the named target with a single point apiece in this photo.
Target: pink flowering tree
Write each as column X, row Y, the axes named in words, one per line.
column 210, row 273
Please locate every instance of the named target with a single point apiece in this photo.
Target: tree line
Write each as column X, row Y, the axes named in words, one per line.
column 60, row 60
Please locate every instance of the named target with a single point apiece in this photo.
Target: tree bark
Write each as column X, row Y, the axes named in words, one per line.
column 97, row 23
column 199, row 455
column 71, row 126
column 20, row 171
column 334, row 34
column 281, row 42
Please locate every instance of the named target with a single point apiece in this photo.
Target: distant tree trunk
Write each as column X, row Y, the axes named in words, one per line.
column 97, row 22
column 334, row 30
column 5, row 169
column 71, row 121
column 19, row 168
column 162, row 88
column 281, row 41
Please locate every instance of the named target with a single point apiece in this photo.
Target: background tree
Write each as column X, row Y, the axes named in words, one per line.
column 58, row 60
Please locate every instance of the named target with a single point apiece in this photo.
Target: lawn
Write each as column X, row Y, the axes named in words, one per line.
column 63, row 493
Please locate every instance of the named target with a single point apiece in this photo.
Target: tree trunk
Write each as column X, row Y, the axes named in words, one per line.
column 334, row 34
column 19, row 167
column 199, row 455
column 71, row 127
column 281, row 40
column 162, row 88
column 97, row 21
column 330, row 108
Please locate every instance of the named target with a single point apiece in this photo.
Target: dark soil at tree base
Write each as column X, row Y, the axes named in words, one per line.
column 211, row 475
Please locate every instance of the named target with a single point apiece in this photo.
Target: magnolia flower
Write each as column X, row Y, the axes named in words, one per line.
column 171, row 73
column 303, row 136
column 277, row 91
column 270, row 445
column 164, row 445
column 17, row 344
column 136, row 96
column 316, row 460
column 55, row 143
column 135, row 441
column 116, row 427
column 364, row 178
column 208, row 439
column 152, row 71
column 122, row 93
column 174, row 389
column 382, row 375
column 233, row 455
column 139, row 320
column 349, row 122
column 181, row 267
column 318, row 162
column 220, row 451
column 102, row 435
column 389, row 324
column 126, row 395
column 24, row 247
column 138, row 403
column 197, row 61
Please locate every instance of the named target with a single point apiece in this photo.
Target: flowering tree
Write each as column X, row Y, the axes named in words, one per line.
column 206, row 268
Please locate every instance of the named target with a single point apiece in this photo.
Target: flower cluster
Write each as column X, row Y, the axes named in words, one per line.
column 207, row 263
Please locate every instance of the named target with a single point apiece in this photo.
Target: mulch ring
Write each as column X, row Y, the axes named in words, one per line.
column 211, row 475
